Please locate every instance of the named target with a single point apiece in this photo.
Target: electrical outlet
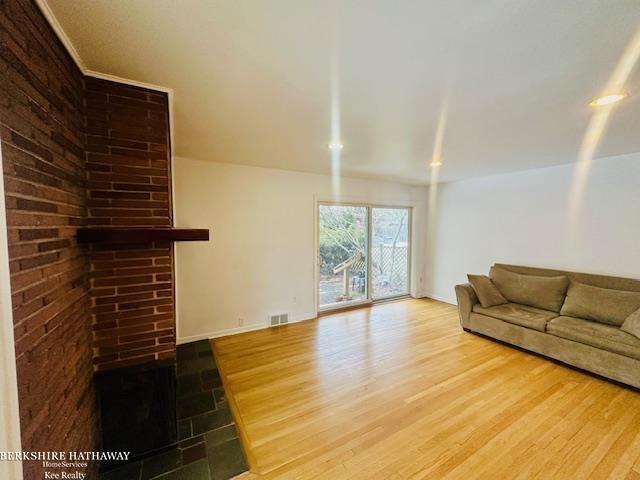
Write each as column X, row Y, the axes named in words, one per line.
column 241, row 322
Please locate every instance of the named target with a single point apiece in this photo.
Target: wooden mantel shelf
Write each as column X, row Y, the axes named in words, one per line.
column 142, row 235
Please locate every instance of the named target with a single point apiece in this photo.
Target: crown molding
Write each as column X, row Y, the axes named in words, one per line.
column 68, row 44
column 128, row 81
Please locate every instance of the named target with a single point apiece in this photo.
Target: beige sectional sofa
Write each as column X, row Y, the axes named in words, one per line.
column 580, row 319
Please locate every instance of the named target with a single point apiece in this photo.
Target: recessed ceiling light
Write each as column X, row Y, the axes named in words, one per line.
column 607, row 99
column 335, row 146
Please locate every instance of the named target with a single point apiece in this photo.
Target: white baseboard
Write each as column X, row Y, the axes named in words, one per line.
column 449, row 300
column 235, row 330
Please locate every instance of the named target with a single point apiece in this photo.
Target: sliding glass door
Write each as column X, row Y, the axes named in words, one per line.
column 389, row 252
column 363, row 254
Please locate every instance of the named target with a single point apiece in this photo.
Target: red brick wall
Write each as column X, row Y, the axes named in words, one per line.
column 128, row 185
column 41, row 129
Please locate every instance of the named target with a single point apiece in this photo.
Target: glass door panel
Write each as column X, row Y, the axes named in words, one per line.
column 343, row 254
column 389, row 252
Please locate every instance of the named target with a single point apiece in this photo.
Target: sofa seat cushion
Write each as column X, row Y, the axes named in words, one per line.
column 517, row 314
column 596, row 334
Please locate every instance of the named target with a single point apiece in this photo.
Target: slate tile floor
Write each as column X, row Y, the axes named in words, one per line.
column 208, row 444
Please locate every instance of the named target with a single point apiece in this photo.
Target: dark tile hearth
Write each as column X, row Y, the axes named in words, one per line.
column 196, row 404
column 138, row 408
column 208, row 444
column 226, row 459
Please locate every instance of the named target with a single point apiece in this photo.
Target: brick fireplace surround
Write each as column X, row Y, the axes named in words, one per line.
column 128, row 185
column 78, row 152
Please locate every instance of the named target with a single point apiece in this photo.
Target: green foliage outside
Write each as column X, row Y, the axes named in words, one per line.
column 342, row 235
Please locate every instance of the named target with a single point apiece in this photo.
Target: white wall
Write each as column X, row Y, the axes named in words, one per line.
column 524, row 218
column 9, row 412
column 261, row 256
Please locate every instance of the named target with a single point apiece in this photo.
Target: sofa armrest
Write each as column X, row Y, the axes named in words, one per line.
column 466, row 299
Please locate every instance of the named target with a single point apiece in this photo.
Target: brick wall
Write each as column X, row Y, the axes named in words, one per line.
column 41, row 129
column 129, row 186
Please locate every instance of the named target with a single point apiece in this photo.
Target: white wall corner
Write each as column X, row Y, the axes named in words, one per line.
column 451, row 300
column 9, row 411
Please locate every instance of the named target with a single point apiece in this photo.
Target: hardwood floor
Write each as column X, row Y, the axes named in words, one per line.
column 400, row 391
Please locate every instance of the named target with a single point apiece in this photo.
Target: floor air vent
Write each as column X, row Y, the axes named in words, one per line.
column 278, row 319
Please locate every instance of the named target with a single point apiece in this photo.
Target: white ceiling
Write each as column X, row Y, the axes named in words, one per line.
column 252, row 78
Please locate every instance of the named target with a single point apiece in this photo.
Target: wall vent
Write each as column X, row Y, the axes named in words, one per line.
column 278, row 319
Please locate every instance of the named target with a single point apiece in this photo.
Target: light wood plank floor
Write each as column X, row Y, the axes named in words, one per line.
column 400, row 391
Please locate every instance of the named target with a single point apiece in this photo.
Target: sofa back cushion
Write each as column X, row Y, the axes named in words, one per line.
column 602, row 305
column 486, row 291
column 602, row 281
column 547, row 293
